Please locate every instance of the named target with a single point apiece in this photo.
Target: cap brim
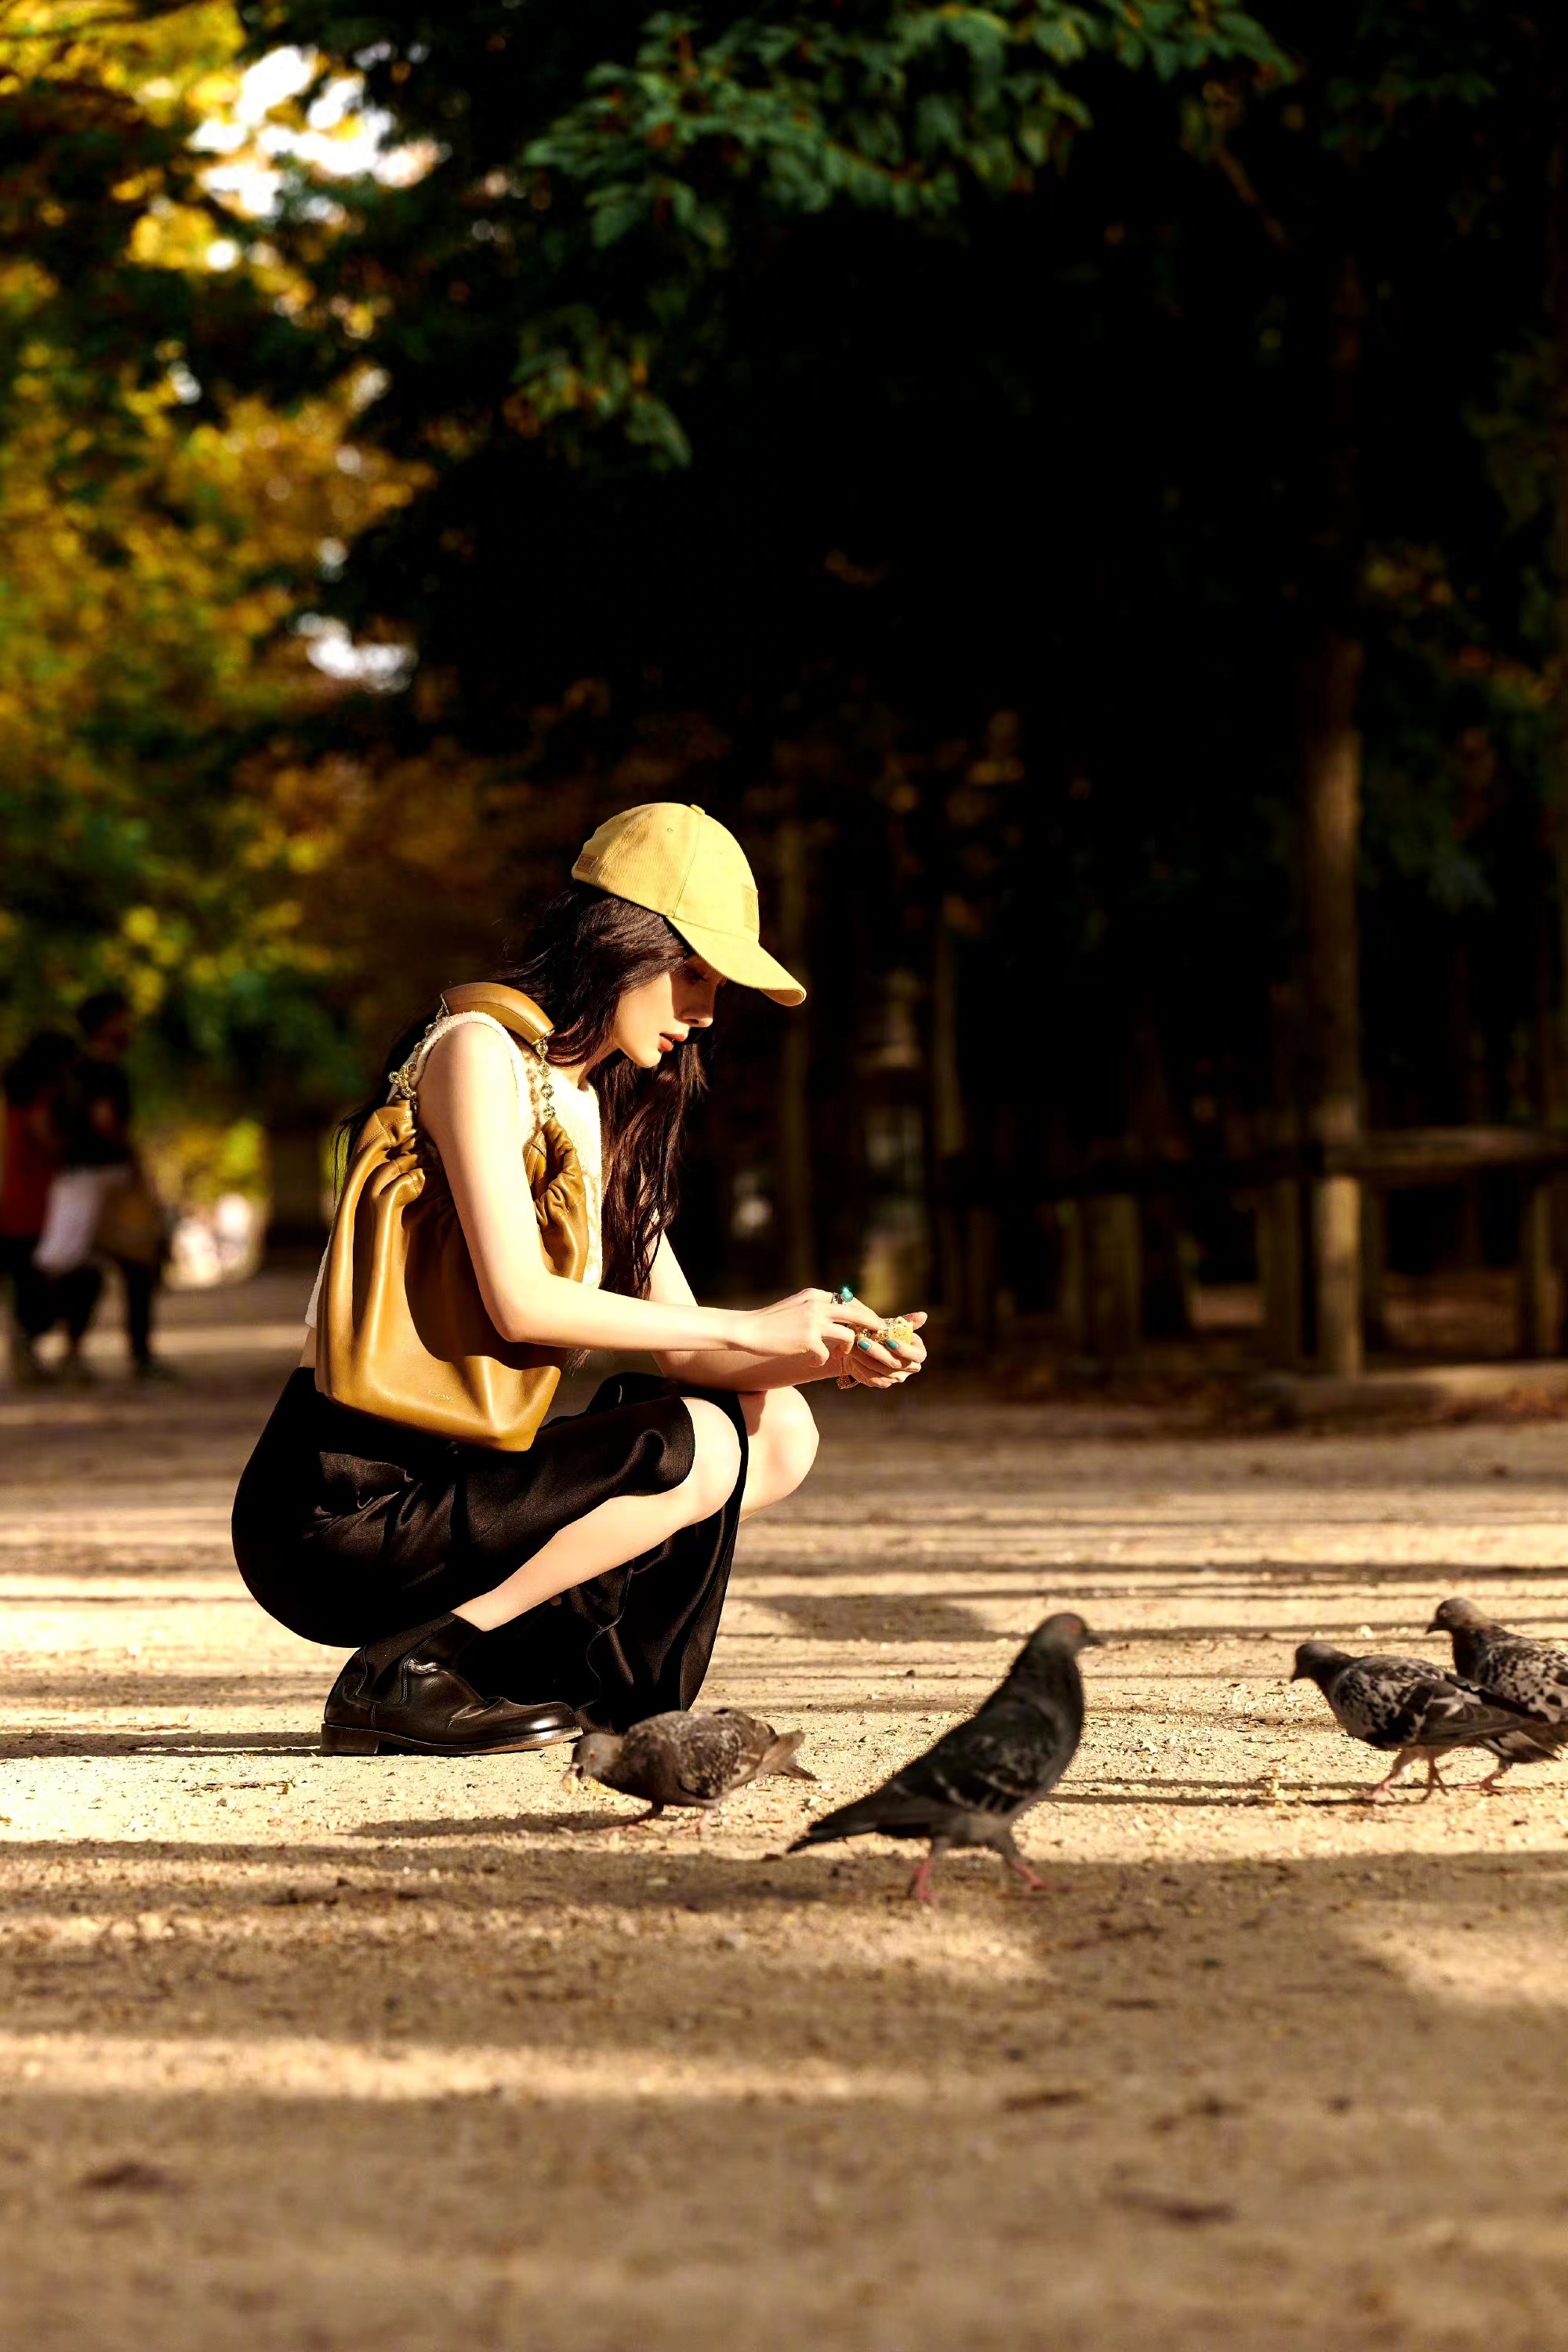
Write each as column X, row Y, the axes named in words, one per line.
column 738, row 958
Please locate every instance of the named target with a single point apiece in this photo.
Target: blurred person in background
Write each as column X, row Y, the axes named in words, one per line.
column 101, row 1204
column 36, row 1084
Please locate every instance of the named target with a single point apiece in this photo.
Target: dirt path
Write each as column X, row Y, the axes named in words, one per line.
column 306, row 2052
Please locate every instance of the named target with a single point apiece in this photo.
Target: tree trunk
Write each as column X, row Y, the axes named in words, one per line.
column 1332, row 816
column 1330, row 840
column 1550, row 1082
column 1281, row 1272
column 1541, row 1304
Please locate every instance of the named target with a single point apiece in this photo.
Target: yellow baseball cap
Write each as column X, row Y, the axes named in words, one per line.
column 686, row 867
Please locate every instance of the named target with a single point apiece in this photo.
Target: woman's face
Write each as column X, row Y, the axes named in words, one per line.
column 652, row 1020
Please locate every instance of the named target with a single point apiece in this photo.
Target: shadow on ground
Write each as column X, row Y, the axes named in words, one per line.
column 408, row 2080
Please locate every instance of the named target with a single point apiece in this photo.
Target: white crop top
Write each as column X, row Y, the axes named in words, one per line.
column 576, row 1108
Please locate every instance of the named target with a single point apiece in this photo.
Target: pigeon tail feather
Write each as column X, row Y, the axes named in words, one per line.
column 892, row 1816
column 780, row 1759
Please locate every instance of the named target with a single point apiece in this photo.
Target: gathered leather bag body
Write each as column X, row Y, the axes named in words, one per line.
column 402, row 1330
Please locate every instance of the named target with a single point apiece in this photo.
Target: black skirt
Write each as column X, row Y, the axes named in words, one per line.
column 348, row 1528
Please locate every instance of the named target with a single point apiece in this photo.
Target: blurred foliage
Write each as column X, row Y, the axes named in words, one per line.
column 194, row 1162
column 142, row 647
column 160, row 531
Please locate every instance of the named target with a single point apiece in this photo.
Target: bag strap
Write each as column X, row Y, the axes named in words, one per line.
column 517, row 1014
column 510, row 1006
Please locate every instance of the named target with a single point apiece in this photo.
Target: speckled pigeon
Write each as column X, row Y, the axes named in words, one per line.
column 1513, row 1670
column 980, row 1777
column 1410, row 1706
column 688, row 1760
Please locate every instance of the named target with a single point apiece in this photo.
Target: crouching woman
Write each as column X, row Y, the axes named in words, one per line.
column 502, row 1594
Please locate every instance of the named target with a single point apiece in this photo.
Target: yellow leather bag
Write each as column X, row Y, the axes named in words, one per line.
column 402, row 1330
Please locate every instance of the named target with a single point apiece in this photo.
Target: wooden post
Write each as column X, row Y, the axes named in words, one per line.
column 797, row 1223
column 1115, row 1276
column 1336, row 1251
column 1281, row 1267
column 1374, row 1268
column 1538, row 1305
column 1280, row 1272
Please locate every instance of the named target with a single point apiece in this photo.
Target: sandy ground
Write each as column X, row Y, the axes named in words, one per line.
column 305, row 2052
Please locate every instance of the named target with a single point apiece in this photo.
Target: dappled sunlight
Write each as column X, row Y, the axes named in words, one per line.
column 312, row 2069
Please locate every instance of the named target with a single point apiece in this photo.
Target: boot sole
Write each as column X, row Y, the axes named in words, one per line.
column 342, row 1739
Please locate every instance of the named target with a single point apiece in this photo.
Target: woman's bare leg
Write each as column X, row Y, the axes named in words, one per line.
column 782, row 1444
column 622, row 1528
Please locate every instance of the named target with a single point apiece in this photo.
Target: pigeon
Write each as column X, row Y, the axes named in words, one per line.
column 980, row 1777
column 1514, row 1671
column 1408, row 1705
column 688, row 1760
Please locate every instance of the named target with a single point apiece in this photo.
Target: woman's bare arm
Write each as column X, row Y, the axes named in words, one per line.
column 467, row 1107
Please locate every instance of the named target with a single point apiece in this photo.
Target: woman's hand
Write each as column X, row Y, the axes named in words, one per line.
column 868, row 1363
column 826, row 1330
column 813, row 1325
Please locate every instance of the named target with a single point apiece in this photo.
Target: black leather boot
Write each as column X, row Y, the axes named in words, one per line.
column 406, row 1692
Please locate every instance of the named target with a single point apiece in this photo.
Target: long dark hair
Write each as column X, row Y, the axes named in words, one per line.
column 583, row 953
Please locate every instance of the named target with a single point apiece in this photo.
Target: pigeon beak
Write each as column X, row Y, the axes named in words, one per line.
column 1437, row 1625
column 1094, row 1641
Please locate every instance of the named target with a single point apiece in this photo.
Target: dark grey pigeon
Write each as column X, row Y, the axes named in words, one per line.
column 1409, row 1706
column 981, row 1776
column 688, row 1760
column 1514, row 1670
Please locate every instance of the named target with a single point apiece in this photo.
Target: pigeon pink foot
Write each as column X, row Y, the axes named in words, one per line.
column 1380, row 1790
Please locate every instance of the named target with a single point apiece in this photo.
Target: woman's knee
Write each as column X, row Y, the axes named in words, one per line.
column 783, row 1442
column 716, row 1459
